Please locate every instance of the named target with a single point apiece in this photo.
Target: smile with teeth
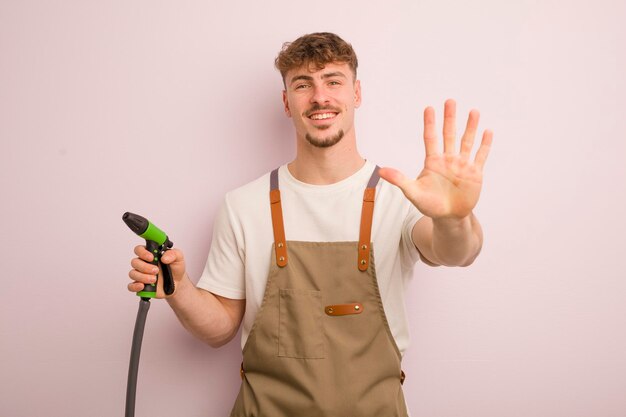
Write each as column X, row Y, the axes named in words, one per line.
column 322, row 116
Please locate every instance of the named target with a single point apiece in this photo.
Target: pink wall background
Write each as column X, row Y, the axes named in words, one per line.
column 161, row 107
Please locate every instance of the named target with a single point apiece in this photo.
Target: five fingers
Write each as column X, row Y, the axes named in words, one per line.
column 449, row 134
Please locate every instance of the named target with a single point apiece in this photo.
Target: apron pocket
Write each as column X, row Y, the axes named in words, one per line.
column 301, row 328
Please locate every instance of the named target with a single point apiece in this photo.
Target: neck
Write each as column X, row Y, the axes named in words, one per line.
column 323, row 166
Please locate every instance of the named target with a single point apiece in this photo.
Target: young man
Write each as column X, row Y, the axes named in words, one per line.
column 317, row 253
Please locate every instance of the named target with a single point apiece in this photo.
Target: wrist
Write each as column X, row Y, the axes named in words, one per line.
column 453, row 224
column 180, row 288
column 457, row 242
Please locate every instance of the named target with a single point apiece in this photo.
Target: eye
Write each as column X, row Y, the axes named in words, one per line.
column 301, row 86
column 333, row 83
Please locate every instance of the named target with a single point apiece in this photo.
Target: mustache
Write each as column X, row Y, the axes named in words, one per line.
column 317, row 107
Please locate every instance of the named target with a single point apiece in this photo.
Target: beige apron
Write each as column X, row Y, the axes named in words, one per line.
column 320, row 345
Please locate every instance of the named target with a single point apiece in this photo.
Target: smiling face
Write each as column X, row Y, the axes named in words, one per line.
column 321, row 102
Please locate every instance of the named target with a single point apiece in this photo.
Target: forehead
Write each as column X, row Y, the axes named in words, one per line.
column 311, row 70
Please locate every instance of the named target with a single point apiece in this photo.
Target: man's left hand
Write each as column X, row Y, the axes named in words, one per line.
column 449, row 185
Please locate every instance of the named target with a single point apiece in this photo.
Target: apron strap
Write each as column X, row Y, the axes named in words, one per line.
column 365, row 233
column 280, row 245
column 367, row 214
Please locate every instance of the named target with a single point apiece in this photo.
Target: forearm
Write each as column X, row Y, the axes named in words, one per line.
column 450, row 242
column 203, row 314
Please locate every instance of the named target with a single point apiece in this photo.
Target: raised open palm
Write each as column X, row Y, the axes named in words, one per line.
column 450, row 182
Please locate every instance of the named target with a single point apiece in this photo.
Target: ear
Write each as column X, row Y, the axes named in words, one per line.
column 286, row 104
column 357, row 93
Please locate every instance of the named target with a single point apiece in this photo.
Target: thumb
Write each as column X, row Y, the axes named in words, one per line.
column 172, row 255
column 175, row 259
column 393, row 176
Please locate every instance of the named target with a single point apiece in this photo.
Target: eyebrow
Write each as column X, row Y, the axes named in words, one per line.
column 324, row 76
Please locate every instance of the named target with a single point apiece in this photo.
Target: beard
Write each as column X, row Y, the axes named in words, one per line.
column 327, row 142
column 319, row 141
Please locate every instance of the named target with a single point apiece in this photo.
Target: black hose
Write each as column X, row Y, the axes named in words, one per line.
column 135, row 351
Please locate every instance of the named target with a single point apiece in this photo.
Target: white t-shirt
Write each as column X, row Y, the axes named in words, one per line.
column 241, row 251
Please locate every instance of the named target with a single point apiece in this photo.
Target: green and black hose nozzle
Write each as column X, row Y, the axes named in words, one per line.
column 157, row 243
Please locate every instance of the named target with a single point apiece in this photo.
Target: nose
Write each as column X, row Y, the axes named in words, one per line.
column 320, row 95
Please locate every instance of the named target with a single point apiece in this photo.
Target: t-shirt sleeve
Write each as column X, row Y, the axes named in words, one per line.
column 225, row 267
column 410, row 253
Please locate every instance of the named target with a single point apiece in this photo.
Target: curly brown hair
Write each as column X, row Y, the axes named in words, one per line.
column 315, row 50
